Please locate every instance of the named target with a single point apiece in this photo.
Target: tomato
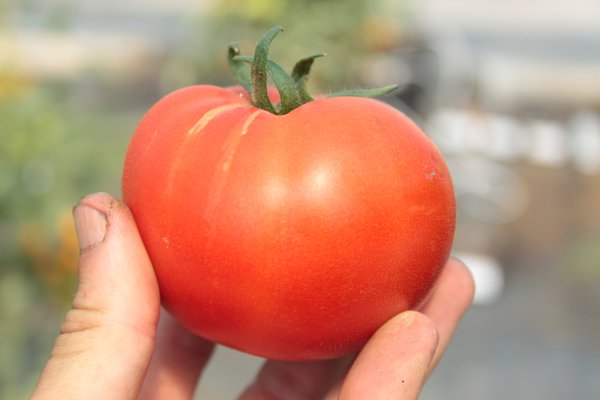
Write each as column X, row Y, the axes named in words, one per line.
column 288, row 236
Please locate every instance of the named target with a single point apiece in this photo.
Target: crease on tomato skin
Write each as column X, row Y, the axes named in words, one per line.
column 197, row 129
column 181, row 156
column 154, row 144
column 249, row 121
column 209, row 116
column 150, row 143
column 221, row 174
column 223, row 166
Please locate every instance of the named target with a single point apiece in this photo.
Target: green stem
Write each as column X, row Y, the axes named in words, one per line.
column 300, row 76
column 365, row 92
column 258, row 71
column 288, row 93
column 240, row 70
column 292, row 89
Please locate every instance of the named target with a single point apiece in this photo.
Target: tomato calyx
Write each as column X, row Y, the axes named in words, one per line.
column 253, row 73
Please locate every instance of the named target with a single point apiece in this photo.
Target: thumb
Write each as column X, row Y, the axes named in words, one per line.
column 107, row 338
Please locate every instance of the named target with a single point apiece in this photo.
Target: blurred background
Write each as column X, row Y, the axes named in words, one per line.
column 509, row 91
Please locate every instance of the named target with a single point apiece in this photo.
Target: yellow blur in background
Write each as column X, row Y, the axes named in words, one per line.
column 510, row 94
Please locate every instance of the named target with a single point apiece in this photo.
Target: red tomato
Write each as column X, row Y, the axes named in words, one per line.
column 288, row 236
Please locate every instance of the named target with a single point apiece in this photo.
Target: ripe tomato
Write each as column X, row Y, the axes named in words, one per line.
column 288, row 236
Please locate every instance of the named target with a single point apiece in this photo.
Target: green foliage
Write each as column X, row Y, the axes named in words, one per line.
column 52, row 153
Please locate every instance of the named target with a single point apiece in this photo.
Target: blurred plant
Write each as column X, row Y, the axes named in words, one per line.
column 52, row 153
column 53, row 255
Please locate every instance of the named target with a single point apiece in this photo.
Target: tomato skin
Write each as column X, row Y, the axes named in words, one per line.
column 291, row 237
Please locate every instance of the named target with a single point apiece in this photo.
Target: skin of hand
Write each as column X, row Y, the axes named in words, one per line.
column 113, row 345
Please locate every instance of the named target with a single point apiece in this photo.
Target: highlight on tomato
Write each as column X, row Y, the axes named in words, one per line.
column 283, row 225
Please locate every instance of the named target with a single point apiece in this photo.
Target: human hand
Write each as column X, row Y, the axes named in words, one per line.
column 112, row 346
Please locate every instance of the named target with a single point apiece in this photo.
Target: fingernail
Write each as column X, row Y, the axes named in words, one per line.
column 90, row 225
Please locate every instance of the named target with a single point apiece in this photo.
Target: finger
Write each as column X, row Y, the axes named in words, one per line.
column 395, row 361
column 177, row 363
column 448, row 302
column 107, row 338
column 296, row 380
